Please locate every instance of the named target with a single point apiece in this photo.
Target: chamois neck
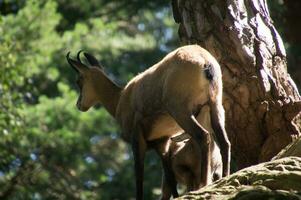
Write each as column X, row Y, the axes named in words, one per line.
column 109, row 94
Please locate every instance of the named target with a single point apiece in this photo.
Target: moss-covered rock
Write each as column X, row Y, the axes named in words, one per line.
column 277, row 179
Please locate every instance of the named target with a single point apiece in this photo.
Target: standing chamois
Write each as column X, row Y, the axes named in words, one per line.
column 161, row 102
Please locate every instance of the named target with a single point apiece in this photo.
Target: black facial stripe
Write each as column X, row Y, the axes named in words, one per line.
column 75, row 69
column 80, row 97
column 78, row 82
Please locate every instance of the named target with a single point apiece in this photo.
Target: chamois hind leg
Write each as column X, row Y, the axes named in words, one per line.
column 218, row 125
column 190, row 125
column 139, row 149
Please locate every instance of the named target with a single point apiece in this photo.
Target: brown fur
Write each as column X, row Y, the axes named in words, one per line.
column 185, row 159
column 162, row 101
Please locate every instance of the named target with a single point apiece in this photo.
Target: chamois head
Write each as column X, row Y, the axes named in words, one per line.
column 87, row 81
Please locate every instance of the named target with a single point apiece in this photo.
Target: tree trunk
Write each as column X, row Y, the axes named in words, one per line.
column 262, row 102
column 293, row 149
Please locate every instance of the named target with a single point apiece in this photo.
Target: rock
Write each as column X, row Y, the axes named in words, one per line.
column 277, row 179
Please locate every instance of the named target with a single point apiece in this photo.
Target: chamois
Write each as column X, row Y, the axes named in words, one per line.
column 160, row 102
column 184, row 156
column 185, row 162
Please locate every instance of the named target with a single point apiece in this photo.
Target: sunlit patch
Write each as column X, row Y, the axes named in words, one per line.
column 89, row 159
column 33, row 156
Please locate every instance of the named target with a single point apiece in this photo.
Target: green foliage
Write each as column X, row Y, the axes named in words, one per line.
column 48, row 149
column 10, row 6
column 284, row 15
column 122, row 10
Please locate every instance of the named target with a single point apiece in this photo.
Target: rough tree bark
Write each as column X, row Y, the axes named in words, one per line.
column 293, row 149
column 261, row 101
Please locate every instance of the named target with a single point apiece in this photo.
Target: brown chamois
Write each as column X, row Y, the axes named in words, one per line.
column 184, row 156
column 160, row 102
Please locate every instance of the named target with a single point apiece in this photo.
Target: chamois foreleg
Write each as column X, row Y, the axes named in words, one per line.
column 169, row 184
column 139, row 149
column 218, row 126
column 165, row 188
column 169, row 181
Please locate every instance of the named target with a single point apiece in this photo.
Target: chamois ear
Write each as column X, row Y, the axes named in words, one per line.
column 77, row 65
column 92, row 60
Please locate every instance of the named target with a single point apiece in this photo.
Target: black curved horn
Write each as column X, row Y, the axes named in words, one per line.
column 75, row 64
column 78, row 56
column 71, row 61
column 67, row 56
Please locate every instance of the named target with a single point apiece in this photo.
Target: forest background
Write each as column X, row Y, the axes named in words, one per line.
column 50, row 150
